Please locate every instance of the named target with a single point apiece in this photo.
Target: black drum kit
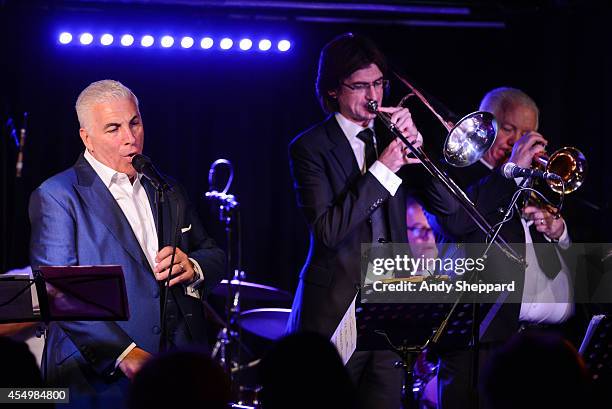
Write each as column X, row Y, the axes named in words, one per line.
column 245, row 335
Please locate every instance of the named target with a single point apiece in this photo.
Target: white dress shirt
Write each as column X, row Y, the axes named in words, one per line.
column 545, row 300
column 383, row 174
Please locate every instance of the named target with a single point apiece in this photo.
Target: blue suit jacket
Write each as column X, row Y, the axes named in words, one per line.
column 76, row 221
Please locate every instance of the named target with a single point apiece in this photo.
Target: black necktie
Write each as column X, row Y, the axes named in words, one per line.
column 548, row 259
column 380, row 232
column 367, row 136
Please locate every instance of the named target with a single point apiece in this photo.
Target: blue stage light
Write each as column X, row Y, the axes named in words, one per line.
column 186, row 42
column 226, row 43
column 85, row 38
column 207, row 43
column 284, row 45
column 265, row 45
column 167, row 41
column 65, row 38
column 147, row 41
column 106, row 39
column 245, row 44
column 127, row 40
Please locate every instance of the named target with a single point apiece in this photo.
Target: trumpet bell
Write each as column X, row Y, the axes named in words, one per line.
column 571, row 165
column 470, row 138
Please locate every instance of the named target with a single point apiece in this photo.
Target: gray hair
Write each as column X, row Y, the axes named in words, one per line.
column 99, row 92
column 504, row 98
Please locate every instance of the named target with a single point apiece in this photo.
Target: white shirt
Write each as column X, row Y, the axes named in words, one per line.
column 134, row 203
column 545, row 300
column 383, row 174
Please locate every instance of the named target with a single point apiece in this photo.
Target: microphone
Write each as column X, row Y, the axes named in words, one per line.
column 512, row 170
column 143, row 165
column 21, row 144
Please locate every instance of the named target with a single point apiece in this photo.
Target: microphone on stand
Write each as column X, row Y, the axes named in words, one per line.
column 22, row 140
column 511, row 170
column 143, row 165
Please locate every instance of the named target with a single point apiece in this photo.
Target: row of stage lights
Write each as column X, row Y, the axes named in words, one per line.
column 128, row 40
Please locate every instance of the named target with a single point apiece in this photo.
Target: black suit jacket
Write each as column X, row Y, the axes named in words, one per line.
column 489, row 191
column 337, row 201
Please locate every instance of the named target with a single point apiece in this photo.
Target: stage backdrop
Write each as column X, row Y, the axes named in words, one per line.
column 246, row 107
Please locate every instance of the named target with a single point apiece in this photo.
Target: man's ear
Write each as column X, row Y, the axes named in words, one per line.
column 333, row 93
column 86, row 140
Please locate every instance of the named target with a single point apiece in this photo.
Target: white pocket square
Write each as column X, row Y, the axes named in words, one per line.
column 185, row 229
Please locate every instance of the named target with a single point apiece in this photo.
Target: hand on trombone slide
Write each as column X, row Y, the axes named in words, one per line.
column 397, row 154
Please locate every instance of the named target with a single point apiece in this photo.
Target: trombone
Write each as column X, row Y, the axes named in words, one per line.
column 465, row 144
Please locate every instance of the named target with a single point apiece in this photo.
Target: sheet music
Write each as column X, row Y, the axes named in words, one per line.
column 590, row 332
column 344, row 337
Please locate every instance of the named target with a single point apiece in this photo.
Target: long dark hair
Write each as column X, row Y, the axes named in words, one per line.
column 341, row 57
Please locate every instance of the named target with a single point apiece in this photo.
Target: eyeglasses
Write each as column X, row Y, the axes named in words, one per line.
column 364, row 86
column 420, row 231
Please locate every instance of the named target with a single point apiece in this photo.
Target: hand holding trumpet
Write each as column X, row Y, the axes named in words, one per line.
column 529, row 146
column 545, row 222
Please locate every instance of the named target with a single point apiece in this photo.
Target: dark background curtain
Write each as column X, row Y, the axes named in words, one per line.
column 199, row 105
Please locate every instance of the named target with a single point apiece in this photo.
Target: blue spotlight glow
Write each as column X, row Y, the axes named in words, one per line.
column 147, row 41
column 186, row 42
column 85, row 38
column 206, row 43
column 167, row 41
column 106, row 39
column 226, row 43
column 127, row 40
column 65, row 38
column 284, row 45
column 265, row 45
column 245, row 44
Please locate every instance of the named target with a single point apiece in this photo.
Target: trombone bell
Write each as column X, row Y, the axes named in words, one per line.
column 470, row 138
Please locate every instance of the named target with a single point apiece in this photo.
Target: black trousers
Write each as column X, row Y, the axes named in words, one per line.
column 378, row 382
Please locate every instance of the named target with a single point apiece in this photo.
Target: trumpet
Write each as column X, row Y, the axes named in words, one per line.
column 568, row 163
column 466, row 142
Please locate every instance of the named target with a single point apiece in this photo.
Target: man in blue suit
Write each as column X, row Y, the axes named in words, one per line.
column 101, row 211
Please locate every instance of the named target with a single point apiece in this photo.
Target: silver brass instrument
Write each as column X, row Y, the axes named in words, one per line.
column 466, row 142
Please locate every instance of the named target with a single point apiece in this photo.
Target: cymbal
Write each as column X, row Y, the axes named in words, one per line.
column 268, row 323
column 253, row 291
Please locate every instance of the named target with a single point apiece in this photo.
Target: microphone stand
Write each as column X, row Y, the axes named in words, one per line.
column 161, row 191
column 475, row 327
column 228, row 340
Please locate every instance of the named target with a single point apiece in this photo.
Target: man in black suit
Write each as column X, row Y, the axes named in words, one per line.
column 345, row 182
column 545, row 285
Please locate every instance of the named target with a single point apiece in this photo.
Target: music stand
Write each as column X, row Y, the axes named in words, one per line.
column 69, row 293
column 82, row 293
column 596, row 348
column 410, row 328
column 16, row 303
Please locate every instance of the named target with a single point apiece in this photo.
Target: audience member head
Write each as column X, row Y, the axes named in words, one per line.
column 304, row 370
column 180, row 379
column 19, row 365
column 536, row 370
